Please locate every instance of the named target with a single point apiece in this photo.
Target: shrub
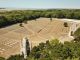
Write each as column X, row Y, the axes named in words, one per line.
column 65, row 24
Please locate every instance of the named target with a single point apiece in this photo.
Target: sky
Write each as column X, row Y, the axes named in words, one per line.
column 40, row 4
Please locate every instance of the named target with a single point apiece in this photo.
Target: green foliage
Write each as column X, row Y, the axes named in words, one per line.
column 54, row 42
column 1, row 58
column 16, row 57
column 77, row 33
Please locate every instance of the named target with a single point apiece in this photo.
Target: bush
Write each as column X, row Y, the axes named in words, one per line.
column 65, row 24
column 16, row 57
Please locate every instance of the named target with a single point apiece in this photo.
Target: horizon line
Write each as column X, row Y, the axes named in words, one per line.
column 15, row 8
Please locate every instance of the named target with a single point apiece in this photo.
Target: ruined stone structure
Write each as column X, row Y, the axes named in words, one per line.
column 25, row 47
column 74, row 26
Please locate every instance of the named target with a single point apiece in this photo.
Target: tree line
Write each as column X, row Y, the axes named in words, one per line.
column 19, row 16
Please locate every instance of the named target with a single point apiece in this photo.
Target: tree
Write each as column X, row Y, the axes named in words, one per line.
column 65, row 24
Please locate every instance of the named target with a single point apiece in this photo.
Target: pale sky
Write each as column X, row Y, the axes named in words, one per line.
column 40, row 3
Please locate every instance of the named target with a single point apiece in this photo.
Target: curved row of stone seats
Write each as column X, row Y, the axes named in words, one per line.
column 10, row 47
column 37, row 25
column 23, row 30
column 12, row 35
column 8, row 29
column 55, row 30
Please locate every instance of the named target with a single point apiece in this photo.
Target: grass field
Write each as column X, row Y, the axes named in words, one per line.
column 36, row 31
